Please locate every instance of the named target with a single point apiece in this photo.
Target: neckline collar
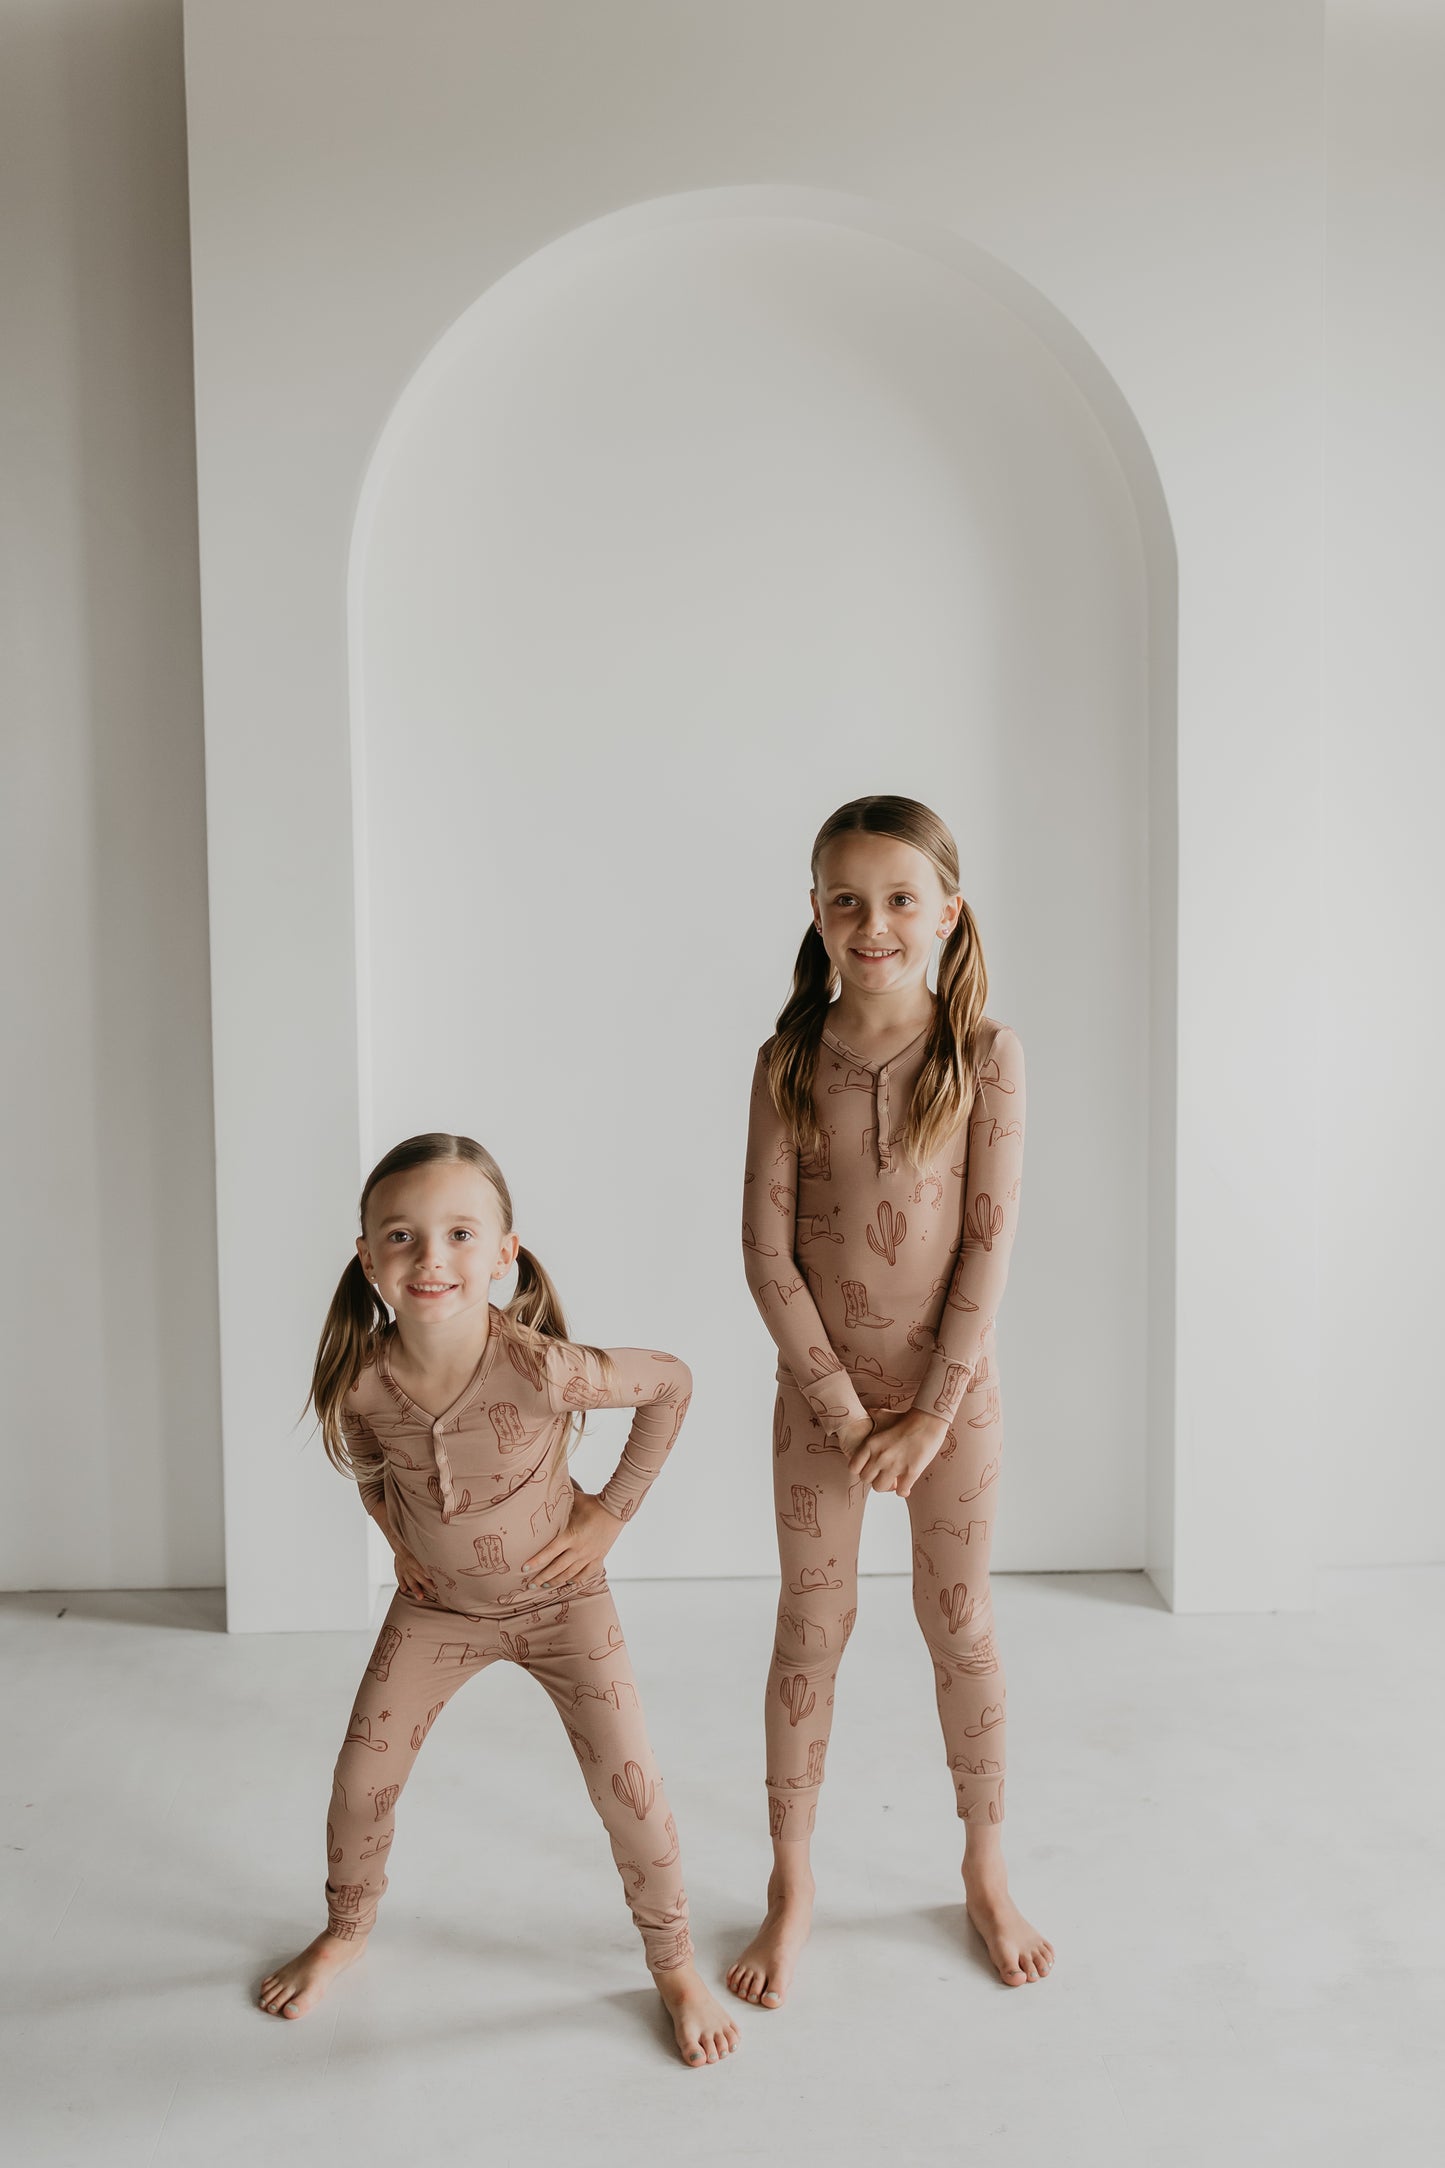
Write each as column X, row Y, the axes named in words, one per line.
column 468, row 1391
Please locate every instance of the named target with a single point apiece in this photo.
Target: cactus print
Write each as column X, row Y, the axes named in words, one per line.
column 939, row 1239
column 501, row 1442
column 605, row 1728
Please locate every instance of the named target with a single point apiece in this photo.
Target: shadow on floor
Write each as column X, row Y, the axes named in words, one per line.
column 191, row 1610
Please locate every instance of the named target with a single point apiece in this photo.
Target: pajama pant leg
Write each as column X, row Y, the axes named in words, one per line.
column 952, row 1509
column 576, row 1651
column 422, row 1655
column 820, row 1515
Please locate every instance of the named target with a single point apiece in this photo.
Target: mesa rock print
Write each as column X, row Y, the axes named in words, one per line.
column 437, row 1475
column 897, row 1275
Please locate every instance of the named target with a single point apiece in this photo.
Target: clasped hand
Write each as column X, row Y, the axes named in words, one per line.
column 576, row 1552
column 891, row 1453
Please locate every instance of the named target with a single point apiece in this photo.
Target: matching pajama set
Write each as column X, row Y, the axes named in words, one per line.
column 879, row 1283
column 473, row 1493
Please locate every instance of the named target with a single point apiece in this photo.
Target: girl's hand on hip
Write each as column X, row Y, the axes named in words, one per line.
column 577, row 1551
column 412, row 1577
column 900, row 1448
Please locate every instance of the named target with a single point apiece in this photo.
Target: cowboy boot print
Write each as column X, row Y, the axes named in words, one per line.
column 386, row 1648
column 511, row 1433
column 419, row 1731
column 516, row 1646
column 987, row 1414
column 951, row 1390
column 384, row 1800
column 782, row 1432
column 347, row 1897
column 816, row 1755
column 491, row 1556
column 669, row 1857
column 635, row 1790
column 980, row 1375
column 889, row 1231
column 579, row 1392
column 796, row 1698
column 332, row 1856
column 856, row 1311
column 848, row 1621
column 777, row 1816
column 803, row 1520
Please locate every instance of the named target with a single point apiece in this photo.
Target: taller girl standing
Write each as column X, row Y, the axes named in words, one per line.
column 880, row 1199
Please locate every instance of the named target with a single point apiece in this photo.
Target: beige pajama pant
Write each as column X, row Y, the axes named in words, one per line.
column 820, row 1517
column 575, row 1650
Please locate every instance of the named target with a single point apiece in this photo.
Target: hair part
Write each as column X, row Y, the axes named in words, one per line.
column 948, row 1080
column 358, row 1320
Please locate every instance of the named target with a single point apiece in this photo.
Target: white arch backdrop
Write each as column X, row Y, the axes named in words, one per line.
column 705, row 517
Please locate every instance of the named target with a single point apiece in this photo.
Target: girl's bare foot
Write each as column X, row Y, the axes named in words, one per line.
column 294, row 1989
column 764, row 1972
column 1018, row 1950
column 705, row 2033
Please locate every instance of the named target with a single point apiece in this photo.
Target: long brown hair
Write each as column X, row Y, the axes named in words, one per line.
column 948, row 1079
column 358, row 1319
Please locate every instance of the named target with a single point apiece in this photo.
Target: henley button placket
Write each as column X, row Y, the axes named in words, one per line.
column 880, row 1111
column 444, row 1473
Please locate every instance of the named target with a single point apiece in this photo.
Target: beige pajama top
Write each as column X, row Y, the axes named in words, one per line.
column 880, row 1281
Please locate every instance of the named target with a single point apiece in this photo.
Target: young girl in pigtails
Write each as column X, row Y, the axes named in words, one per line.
column 880, row 1199
column 453, row 1416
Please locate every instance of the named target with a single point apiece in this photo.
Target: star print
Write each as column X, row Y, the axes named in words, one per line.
column 383, row 1716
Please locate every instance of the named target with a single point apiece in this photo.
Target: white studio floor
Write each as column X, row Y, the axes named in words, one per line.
column 1224, row 1824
